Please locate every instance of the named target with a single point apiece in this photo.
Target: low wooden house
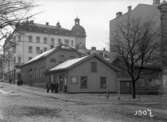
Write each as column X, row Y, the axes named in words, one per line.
column 88, row 74
column 33, row 71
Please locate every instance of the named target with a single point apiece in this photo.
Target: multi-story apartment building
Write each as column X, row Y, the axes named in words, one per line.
column 142, row 13
column 31, row 39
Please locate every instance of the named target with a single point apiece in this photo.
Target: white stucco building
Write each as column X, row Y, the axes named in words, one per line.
column 31, row 39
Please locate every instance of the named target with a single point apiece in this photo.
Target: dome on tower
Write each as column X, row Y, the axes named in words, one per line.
column 77, row 29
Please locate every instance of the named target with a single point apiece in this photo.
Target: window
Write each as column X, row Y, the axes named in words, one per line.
column 38, row 50
column 103, row 82
column 83, row 82
column 52, row 41
column 45, row 40
column 59, row 41
column 66, row 41
column 19, row 59
column 30, row 49
column 45, row 48
column 29, row 58
column 30, row 38
column 72, row 43
column 37, row 39
column 51, row 46
column 93, row 66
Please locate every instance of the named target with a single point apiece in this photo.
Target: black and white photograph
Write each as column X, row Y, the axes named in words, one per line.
column 83, row 60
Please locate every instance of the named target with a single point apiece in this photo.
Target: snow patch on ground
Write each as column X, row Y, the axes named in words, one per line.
column 3, row 92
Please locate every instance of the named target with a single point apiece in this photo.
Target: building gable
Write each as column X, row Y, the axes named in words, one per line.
column 70, row 64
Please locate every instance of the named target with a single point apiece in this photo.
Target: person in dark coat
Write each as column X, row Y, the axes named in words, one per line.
column 10, row 81
column 56, row 87
column 20, row 82
column 48, row 87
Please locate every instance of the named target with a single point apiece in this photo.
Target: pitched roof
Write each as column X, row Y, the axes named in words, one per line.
column 143, row 11
column 73, row 62
column 108, row 56
column 46, row 53
column 67, row 64
column 42, row 55
column 40, row 28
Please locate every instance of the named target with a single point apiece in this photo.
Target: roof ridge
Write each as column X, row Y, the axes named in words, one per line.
column 46, row 53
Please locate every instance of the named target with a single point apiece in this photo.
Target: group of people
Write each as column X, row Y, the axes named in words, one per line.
column 53, row 87
column 19, row 82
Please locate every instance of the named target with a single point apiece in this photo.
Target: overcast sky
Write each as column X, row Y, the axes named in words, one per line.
column 94, row 15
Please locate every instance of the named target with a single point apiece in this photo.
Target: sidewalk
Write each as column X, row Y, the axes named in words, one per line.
column 99, row 98
column 92, row 98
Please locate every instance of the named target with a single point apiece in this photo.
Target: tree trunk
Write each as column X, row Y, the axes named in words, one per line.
column 133, row 89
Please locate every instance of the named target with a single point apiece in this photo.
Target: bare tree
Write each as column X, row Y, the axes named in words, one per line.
column 136, row 43
column 12, row 12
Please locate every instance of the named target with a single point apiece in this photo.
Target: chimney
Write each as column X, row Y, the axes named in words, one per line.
column 156, row 2
column 129, row 8
column 47, row 23
column 118, row 14
column 32, row 22
column 93, row 48
column 58, row 25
